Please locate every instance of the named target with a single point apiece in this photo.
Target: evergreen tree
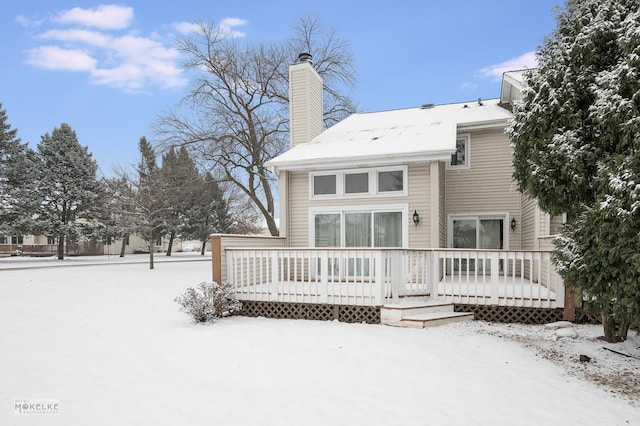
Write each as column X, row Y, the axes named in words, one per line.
column 209, row 212
column 69, row 192
column 119, row 211
column 576, row 139
column 181, row 178
column 17, row 200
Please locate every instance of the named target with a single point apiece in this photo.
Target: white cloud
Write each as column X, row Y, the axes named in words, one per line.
column 26, row 22
column 524, row 61
column 106, row 17
column 185, row 27
column 227, row 26
column 94, row 38
column 58, row 58
column 130, row 62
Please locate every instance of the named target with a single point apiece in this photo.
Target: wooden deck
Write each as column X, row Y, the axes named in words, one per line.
column 371, row 277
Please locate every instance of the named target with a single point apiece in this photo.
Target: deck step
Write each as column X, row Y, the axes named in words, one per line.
column 435, row 319
column 397, row 311
column 421, row 314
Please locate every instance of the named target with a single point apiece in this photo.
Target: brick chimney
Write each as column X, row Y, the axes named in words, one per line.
column 305, row 101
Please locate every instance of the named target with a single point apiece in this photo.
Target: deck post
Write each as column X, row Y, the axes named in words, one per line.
column 396, row 274
column 273, row 283
column 379, row 293
column 216, row 259
column 495, row 278
column 434, row 256
column 324, row 276
column 569, row 308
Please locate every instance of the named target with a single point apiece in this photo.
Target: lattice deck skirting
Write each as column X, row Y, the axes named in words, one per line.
column 512, row 314
column 343, row 313
column 371, row 314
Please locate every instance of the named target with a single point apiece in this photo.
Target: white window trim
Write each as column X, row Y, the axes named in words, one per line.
column 467, row 153
column 403, row 208
column 506, row 228
column 373, row 183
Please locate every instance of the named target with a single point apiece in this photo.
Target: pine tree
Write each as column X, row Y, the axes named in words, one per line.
column 209, row 212
column 69, row 192
column 576, row 139
column 181, row 178
column 17, row 199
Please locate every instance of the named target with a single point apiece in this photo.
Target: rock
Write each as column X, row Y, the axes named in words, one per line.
column 585, row 358
column 567, row 332
column 559, row 324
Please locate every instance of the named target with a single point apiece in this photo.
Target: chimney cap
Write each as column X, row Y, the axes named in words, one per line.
column 305, row 57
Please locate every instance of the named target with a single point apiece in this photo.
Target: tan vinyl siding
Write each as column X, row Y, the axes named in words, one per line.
column 298, row 215
column 419, row 196
column 417, row 200
column 487, row 186
column 305, row 107
column 443, row 211
column 528, row 224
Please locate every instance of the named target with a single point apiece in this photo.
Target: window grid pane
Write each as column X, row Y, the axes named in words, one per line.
column 324, row 185
column 355, row 183
column 327, row 230
column 357, row 230
column 390, row 181
column 388, row 229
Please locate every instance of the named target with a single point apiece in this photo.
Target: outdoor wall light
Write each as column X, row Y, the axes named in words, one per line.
column 416, row 217
column 513, row 224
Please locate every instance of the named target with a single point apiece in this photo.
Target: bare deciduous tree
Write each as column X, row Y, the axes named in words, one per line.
column 235, row 116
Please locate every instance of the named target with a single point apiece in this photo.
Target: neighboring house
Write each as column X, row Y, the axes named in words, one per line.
column 40, row 245
column 418, row 179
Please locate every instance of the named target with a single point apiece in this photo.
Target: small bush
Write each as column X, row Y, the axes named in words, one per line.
column 209, row 301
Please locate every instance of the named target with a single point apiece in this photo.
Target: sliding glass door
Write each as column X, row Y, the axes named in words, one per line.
column 477, row 232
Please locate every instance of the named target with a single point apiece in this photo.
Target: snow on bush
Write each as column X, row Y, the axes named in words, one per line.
column 209, row 301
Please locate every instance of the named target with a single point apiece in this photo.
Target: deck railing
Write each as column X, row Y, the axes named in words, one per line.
column 373, row 277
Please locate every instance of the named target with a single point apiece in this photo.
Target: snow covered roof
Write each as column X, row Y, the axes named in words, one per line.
column 511, row 85
column 388, row 137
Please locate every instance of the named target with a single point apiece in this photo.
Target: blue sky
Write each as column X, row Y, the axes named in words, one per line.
column 108, row 69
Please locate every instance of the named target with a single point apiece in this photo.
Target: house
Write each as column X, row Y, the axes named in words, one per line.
column 411, row 202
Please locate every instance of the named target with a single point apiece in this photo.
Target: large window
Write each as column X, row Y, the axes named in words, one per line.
column 382, row 227
column 381, row 181
column 478, row 232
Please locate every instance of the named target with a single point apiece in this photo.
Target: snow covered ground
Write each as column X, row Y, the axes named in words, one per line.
column 107, row 342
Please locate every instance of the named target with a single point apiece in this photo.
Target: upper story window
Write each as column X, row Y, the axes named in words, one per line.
column 461, row 158
column 356, row 183
column 381, row 181
column 324, row 185
column 391, row 181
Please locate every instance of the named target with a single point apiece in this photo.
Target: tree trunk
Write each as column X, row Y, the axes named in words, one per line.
column 151, row 243
column 204, row 244
column 61, row 246
column 171, row 237
column 615, row 329
column 125, row 237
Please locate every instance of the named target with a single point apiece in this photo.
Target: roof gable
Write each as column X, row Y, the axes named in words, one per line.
column 387, row 137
